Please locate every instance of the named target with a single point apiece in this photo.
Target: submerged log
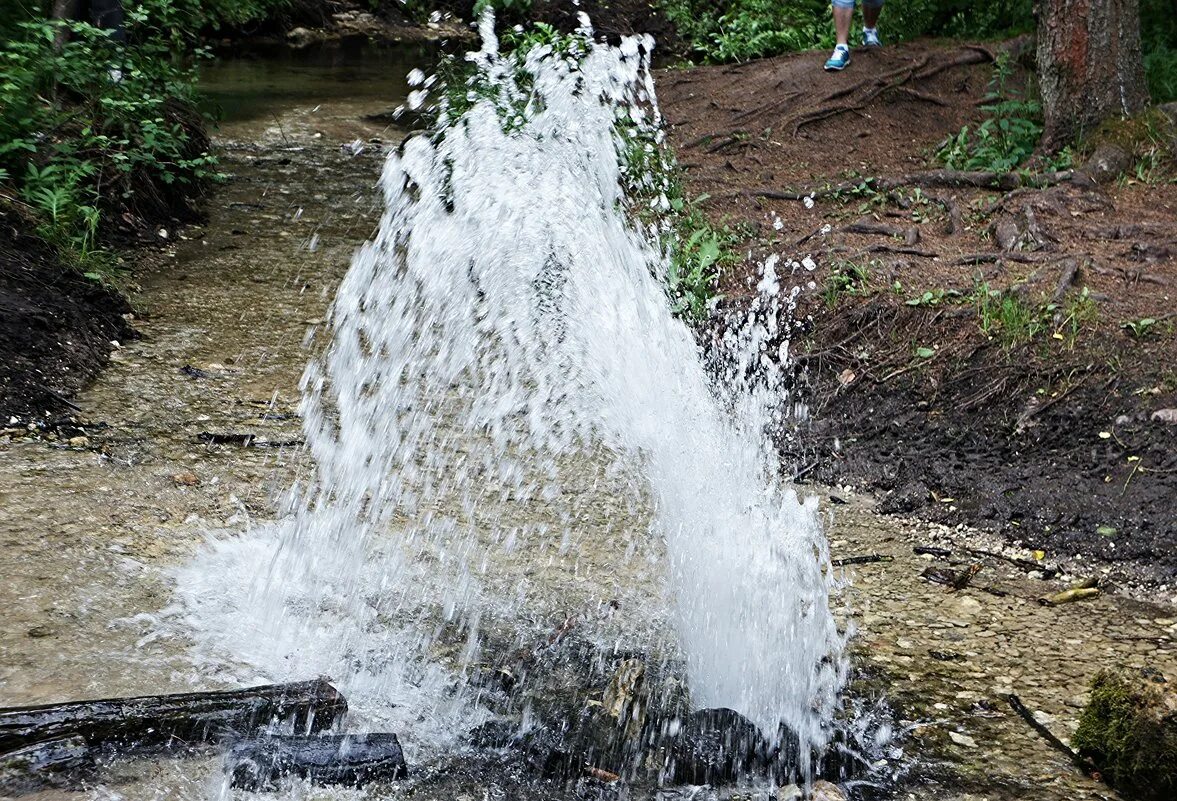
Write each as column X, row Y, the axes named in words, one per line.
column 53, row 763
column 347, row 759
column 174, row 720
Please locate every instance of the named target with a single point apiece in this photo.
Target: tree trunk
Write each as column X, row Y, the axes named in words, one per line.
column 1089, row 65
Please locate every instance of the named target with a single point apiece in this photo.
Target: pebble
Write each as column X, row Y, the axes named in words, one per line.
column 826, row 791
column 962, row 739
column 37, row 632
column 186, row 479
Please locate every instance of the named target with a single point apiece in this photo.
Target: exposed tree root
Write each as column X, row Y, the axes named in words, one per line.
column 987, row 258
column 942, row 179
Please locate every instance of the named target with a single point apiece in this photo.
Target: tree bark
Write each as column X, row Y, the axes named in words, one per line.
column 55, row 763
column 1090, row 66
column 348, row 759
column 170, row 720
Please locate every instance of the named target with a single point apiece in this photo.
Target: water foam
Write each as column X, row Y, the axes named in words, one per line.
column 507, row 325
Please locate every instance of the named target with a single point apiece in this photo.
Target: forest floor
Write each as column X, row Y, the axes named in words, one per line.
column 975, row 349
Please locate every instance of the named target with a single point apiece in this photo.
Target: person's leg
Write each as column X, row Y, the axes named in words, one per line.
column 870, row 22
column 870, row 12
column 843, row 14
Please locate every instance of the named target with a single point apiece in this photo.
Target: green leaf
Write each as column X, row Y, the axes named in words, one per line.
column 925, row 353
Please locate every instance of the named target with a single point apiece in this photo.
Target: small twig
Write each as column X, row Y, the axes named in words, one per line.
column 601, row 774
column 1028, row 716
column 925, row 254
column 931, row 550
column 983, row 258
column 862, row 560
column 1024, row 564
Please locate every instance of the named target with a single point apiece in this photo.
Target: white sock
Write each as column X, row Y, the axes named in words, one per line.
column 870, row 30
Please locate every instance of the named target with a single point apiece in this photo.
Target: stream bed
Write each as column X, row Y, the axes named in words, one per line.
column 193, row 432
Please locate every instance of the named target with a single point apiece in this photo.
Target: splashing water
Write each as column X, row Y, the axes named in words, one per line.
column 509, row 322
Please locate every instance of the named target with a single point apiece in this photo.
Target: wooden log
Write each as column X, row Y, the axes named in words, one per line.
column 53, row 763
column 347, row 759
column 174, row 720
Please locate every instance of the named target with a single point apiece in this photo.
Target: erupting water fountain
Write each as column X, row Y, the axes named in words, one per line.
column 510, row 426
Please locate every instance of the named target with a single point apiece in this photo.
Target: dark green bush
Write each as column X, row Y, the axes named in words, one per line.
column 1158, row 29
column 734, row 30
column 90, row 128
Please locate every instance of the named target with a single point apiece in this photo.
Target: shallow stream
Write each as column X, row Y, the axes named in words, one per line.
column 95, row 530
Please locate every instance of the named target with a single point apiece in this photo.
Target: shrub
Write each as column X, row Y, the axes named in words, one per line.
column 1004, row 140
column 90, row 128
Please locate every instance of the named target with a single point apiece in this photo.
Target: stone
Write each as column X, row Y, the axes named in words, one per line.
column 37, row 632
column 714, row 746
column 790, row 792
column 79, row 442
column 186, row 479
column 1165, row 416
column 1106, row 164
column 826, row 791
column 968, row 606
column 962, row 739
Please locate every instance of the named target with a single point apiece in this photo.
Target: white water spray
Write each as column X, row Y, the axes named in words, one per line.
column 508, row 320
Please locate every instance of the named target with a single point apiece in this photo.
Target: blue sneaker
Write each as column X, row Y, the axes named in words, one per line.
column 870, row 37
column 838, row 61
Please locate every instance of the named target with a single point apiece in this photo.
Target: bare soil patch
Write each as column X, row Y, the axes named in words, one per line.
column 56, row 327
column 918, row 383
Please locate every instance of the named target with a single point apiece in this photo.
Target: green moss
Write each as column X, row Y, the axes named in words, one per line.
column 1129, row 730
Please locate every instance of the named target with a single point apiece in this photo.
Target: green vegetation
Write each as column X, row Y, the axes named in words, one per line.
column 92, row 130
column 846, row 278
column 1141, row 328
column 1130, row 731
column 1159, row 34
column 736, row 30
column 1011, row 319
column 699, row 251
column 1006, row 138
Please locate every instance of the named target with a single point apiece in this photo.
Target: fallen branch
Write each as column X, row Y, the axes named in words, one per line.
column 245, row 440
column 1024, row 564
column 55, row 763
column 925, row 254
column 351, row 760
column 1028, row 716
column 1070, row 270
column 862, row 560
column 930, row 550
column 909, row 234
column 174, row 720
column 600, row 774
column 930, row 179
column 986, row 258
column 955, row 579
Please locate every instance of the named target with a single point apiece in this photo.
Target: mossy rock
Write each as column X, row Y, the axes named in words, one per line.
column 1129, row 730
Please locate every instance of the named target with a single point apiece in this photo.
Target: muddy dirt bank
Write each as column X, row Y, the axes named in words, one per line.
column 995, row 356
column 56, row 327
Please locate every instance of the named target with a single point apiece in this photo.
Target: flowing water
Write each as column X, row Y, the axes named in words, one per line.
column 504, row 372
